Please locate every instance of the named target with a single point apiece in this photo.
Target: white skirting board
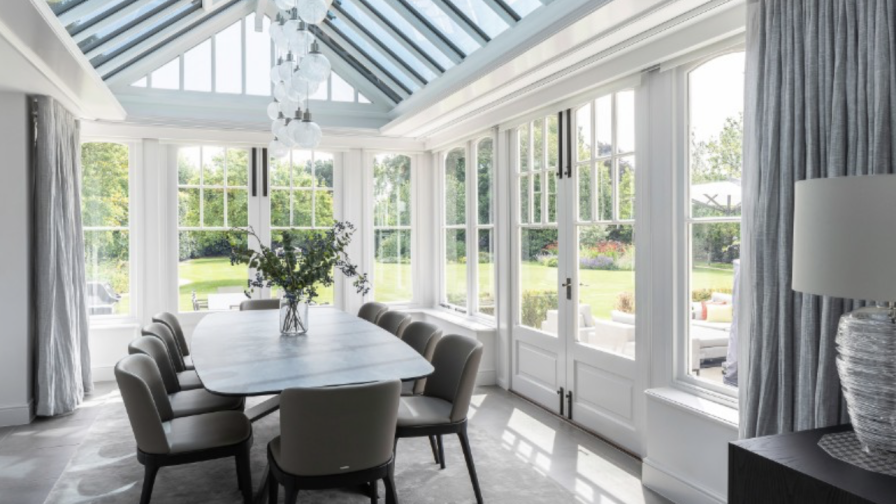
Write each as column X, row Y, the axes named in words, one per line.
column 671, row 486
column 17, row 415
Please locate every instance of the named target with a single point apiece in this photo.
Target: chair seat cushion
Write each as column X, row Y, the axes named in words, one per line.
column 407, row 388
column 188, row 362
column 418, row 411
column 189, row 380
column 211, row 430
column 196, row 402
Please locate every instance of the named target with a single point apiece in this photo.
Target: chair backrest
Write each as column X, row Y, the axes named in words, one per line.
column 456, row 362
column 162, row 332
column 422, row 337
column 335, row 430
column 394, row 322
column 372, row 311
column 146, row 402
column 170, row 320
column 260, row 304
column 154, row 348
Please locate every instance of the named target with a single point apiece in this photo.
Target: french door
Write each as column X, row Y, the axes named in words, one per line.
column 574, row 332
column 223, row 192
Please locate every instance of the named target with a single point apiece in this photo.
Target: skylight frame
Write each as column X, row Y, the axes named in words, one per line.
column 96, row 15
column 370, row 63
column 83, row 36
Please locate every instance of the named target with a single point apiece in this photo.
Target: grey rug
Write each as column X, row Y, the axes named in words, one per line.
column 105, row 470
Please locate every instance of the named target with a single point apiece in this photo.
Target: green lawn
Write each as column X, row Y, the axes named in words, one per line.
column 393, row 282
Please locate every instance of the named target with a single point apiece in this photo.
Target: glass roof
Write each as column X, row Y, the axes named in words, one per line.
column 398, row 45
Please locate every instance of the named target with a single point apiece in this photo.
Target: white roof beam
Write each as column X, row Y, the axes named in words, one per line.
column 81, row 11
column 405, row 41
column 465, row 23
column 110, row 20
column 100, row 49
column 436, row 37
column 260, row 8
column 365, row 34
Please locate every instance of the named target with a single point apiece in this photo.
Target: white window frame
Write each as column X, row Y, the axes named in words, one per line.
column 471, row 226
column 135, row 235
column 682, row 378
column 370, row 223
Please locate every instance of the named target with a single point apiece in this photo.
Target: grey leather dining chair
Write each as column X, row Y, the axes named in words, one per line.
column 333, row 437
column 372, row 311
column 162, row 332
column 422, row 337
column 171, row 320
column 163, row 439
column 184, row 402
column 443, row 407
column 394, row 322
column 260, row 304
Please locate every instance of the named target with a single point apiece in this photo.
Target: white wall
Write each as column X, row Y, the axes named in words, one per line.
column 16, row 349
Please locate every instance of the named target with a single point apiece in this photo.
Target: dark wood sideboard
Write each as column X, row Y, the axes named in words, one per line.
column 793, row 469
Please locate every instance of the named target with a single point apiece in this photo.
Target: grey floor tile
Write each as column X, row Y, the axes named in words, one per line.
column 28, row 492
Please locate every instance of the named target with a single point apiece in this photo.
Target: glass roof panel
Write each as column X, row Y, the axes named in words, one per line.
column 412, row 33
column 523, row 7
column 445, row 24
column 376, row 55
column 95, row 15
column 124, row 24
column 387, row 40
column 60, row 6
column 482, row 15
column 144, row 31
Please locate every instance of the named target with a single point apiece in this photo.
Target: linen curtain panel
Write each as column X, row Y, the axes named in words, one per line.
column 60, row 298
column 821, row 87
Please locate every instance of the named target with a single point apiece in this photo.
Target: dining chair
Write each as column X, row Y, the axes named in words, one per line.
column 332, row 437
column 162, row 332
column 443, row 407
column 163, row 439
column 372, row 311
column 422, row 337
column 394, row 322
column 170, row 320
column 260, row 304
column 184, row 401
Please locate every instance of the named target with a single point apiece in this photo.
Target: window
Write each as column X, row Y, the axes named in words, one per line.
column 605, row 169
column 302, row 200
column 213, row 198
column 105, row 213
column 469, row 229
column 454, row 230
column 392, row 229
column 715, row 130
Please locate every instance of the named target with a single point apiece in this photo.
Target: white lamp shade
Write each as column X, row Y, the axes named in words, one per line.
column 844, row 237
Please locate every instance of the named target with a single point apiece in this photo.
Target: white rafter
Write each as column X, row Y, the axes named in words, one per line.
column 463, row 23
column 434, row 37
column 111, row 20
column 420, row 52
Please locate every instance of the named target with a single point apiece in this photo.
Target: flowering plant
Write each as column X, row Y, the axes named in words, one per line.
column 302, row 264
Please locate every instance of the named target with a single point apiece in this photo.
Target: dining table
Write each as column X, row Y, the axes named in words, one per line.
column 242, row 353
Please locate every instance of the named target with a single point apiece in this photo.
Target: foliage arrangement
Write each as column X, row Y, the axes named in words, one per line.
column 302, row 264
column 625, row 302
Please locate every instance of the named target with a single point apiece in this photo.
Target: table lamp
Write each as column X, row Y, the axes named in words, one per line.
column 844, row 245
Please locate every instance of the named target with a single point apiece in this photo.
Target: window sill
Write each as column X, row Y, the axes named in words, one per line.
column 114, row 323
column 692, row 403
column 466, row 321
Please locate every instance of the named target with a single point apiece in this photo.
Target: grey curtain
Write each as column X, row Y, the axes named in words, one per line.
column 60, row 306
column 821, row 84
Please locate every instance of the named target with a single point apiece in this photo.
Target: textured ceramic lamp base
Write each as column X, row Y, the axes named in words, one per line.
column 866, row 363
column 293, row 317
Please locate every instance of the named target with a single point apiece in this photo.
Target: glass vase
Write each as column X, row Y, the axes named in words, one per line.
column 293, row 316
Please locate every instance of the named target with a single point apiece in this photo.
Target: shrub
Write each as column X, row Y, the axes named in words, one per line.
column 625, row 302
column 535, row 306
column 600, row 262
column 698, row 295
column 627, row 261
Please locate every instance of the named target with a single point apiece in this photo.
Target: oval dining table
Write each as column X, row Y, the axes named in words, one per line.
column 242, row 353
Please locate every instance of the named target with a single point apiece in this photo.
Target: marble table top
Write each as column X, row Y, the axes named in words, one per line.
column 243, row 353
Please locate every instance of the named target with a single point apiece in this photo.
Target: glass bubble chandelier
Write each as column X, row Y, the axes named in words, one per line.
column 299, row 71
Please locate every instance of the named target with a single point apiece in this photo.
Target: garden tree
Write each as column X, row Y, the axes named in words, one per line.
column 104, row 203
column 455, row 204
column 392, row 206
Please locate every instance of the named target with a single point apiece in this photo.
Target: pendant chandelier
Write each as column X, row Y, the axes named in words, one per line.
column 299, row 71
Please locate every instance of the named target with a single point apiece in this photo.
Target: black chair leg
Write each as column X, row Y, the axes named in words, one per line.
column 273, row 488
column 468, row 455
column 374, row 492
column 389, row 481
column 149, row 479
column 244, row 475
column 441, row 451
column 435, row 450
column 292, row 494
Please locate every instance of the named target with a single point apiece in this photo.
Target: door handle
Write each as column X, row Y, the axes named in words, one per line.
column 568, row 286
column 568, row 405
column 560, row 393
